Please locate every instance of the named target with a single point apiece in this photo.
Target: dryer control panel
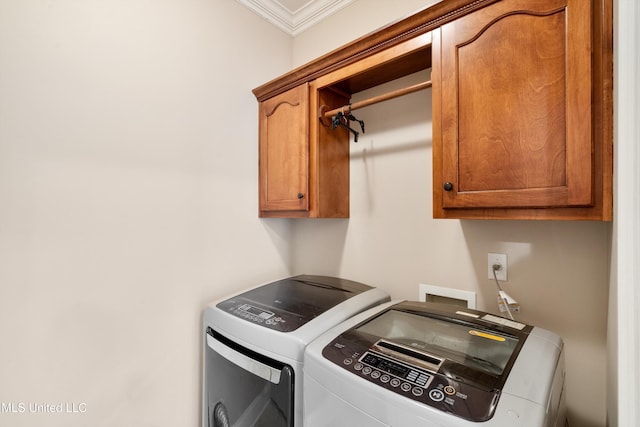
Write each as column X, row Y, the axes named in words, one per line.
column 287, row 304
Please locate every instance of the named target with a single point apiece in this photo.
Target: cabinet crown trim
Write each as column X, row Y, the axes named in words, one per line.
column 414, row 25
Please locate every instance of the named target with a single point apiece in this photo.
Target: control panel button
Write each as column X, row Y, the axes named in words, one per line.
column 347, row 361
column 405, row 387
column 417, row 391
column 450, row 390
column 375, row 374
column 366, row 370
column 358, row 366
column 436, row 395
column 394, row 382
column 385, row 378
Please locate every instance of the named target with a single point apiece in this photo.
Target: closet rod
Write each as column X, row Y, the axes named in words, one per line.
column 380, row 98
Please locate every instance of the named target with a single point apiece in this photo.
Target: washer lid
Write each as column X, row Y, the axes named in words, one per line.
column 289, row 303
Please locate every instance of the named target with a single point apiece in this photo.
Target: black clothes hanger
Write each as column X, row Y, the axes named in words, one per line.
column 343, row 120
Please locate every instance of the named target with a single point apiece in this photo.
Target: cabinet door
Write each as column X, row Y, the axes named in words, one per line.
column 284, row 151
column 512, row 107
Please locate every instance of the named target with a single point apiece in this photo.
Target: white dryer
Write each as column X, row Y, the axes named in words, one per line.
column 254, row 346
column 410, row 364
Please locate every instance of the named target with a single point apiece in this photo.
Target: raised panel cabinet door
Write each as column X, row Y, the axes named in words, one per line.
column 514, row 107
column 284, row 151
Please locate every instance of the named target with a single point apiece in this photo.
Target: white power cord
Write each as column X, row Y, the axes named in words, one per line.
column 501, row 293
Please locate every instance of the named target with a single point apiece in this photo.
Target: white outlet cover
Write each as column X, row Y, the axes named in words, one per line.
column 495, row 258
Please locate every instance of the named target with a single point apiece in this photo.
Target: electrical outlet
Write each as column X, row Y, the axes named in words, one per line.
column 497, row 259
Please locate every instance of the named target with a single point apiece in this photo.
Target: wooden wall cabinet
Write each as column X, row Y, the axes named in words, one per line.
column 522, row 112
column 298, row 176
column 516, row 94
column 284, row 152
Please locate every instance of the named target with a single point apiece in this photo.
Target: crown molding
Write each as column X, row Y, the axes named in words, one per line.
column 294, row 22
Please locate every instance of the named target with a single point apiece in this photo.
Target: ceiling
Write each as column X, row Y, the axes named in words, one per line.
column 294, row 16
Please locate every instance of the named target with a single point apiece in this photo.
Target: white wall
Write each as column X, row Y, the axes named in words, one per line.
column 128, row 200
column 624, row 320
column 558, row 271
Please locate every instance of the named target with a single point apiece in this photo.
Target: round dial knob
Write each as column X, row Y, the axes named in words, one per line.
column 447, row 186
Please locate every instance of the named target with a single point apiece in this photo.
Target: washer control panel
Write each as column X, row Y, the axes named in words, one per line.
column 396, row 373
column 408, row 377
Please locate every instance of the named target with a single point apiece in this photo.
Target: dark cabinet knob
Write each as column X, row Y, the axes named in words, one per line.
column 300, row 196
column 447, row 186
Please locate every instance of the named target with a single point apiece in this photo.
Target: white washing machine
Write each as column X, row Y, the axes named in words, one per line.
column 254, row 346
column 409, row 364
